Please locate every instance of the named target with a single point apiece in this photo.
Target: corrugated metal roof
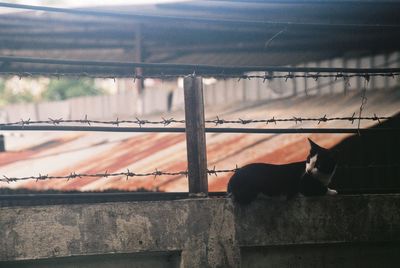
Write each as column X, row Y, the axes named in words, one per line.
column 63, row 153
column 247, row 33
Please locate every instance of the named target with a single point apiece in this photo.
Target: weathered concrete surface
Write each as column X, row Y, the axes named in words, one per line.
column 142, row 260
column 332, row 255
column 333, row 219
column 202, row 229
column 209, row 232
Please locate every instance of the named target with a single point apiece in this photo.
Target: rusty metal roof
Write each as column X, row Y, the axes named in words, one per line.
column 62, row 153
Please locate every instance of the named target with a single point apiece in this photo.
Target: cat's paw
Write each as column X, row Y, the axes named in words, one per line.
column 331, row 192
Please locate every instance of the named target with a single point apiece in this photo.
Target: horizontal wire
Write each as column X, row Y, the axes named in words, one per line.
column 131, row 16
column 268, row 76
column 54, row 125
column 157, row 173
column 127, row 175
column 207, row 129
column 217, row 121
column 196, row 69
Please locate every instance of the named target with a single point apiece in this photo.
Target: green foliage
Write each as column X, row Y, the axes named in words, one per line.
column 68, row 88
column 8, row 96
column 2, row 85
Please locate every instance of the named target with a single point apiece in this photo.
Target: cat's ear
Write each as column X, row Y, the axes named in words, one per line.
column 313, row 145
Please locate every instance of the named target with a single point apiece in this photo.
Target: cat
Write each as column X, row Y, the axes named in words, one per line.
column 310, row 177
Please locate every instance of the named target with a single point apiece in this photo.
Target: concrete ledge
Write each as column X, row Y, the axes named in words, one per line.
column 358, row 218
column 208, row 232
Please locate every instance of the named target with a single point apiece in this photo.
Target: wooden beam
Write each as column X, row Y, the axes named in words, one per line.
column 139, row 54
column 195, row 136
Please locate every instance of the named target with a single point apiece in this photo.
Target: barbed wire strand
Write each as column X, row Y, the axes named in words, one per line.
column 217, row 121
column 128, row 174
column 265, row 77
column 157, row 173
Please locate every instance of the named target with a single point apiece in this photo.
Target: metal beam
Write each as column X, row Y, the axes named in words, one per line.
column 196, row 67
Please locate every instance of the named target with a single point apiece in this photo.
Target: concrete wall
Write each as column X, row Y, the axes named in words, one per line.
column 342, row 231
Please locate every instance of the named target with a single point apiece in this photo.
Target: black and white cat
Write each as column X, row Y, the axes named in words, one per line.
column 310, row 177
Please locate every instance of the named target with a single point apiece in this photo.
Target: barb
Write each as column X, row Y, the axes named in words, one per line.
column 206, row 74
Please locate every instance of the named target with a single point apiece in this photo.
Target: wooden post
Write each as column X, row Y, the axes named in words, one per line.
column 345, row 82
column 138, row 53
column 386, row 78
column 195, row 136
column 2, row 143
column 294, row 86
column 372, row 79
column 305, row 82
column 358, row 65
column 318, row 81
column 331, row 80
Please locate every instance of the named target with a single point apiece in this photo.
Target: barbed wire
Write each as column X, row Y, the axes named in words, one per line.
column 128, row 174
column 217, row 121
column 157, row 173
column 265, row 77
column 86, row 121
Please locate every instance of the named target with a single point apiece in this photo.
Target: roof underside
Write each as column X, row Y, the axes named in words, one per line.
column 245, row 33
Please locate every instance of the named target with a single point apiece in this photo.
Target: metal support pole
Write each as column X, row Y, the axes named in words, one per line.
column 195, row 136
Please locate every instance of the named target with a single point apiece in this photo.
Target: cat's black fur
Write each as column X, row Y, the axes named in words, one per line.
column 310, row 177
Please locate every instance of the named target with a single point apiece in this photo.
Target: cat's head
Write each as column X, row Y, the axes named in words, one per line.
column 320, row 163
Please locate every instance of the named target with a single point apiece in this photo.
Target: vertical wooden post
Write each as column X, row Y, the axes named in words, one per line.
column 372, row 79
column 345, row 82
column 195, row 136
column 2, row 143
column 318, row 81
column 138, row 53
column 305, row 82
column 294, row 86
column 358, row 65
column 331, row 80
column 386, row 78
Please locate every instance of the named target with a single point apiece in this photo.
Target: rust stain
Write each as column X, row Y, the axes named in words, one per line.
column 116, row 158
column 12, row 157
